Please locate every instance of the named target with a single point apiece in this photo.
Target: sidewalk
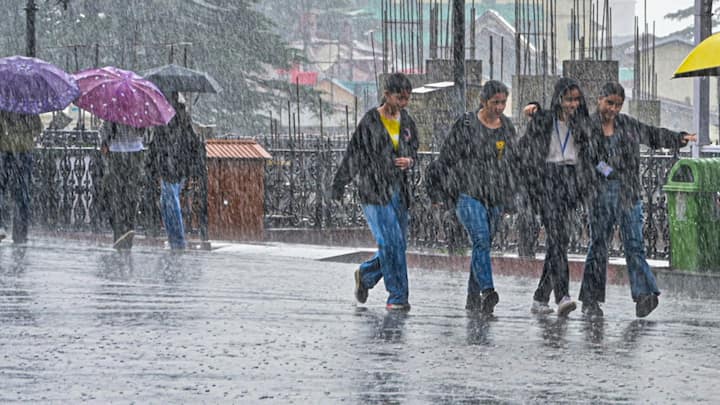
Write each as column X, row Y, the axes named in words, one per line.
column 272, row 323
column 701, row 285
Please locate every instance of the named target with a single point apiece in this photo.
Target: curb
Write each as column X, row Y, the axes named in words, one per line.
column 692, row 284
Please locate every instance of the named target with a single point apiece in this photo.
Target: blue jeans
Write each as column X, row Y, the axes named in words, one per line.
column 480, row 224
column 388, row 224
column 172, row 213
column 605, row 213
column 16, row 174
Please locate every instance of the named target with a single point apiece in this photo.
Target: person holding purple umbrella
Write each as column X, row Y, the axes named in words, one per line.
column 17, row 141
column 123, row 147
column 28, row 87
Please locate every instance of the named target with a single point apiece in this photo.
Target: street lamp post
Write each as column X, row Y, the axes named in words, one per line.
column 30, row 10
column 701, row 87
column 459, row 53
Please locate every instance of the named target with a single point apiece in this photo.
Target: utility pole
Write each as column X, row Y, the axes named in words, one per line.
column 458, row 19
column 701, row 87
column 30, row 10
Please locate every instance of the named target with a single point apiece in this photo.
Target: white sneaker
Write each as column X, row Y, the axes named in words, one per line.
column 541, row 308
column 3, row 234
column 565, row 306
column 124, row 241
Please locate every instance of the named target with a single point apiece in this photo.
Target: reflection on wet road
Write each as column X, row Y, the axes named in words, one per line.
column 83, row 323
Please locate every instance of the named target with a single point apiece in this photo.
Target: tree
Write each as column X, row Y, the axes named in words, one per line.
column 689, row 12
column 230, row 39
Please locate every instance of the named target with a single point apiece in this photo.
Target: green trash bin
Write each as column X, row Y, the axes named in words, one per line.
column 693, row 189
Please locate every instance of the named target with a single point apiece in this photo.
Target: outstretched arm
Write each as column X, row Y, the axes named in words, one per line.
column 657, row 137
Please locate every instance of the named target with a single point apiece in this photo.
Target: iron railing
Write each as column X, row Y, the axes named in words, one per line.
column 68, row 193
column 68, row 196
column 299, row 176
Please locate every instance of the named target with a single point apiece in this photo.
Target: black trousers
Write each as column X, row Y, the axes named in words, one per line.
column 122, row 188
column 16, row 175
column 557, row 204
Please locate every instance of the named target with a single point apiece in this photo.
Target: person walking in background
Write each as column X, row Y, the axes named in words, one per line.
column 619, row 201
column 381, row 151
column 558, row 172
column 173, row 157
column 123, row 147
column 477, row 157
column 17, row 141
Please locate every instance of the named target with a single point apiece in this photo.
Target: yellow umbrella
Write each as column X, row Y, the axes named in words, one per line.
column 703, row 60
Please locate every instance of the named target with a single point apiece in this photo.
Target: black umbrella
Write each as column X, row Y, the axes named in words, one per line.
column 174, row 78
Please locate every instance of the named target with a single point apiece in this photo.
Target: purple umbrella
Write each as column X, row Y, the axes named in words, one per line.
column 123, row 97
column 33, row 86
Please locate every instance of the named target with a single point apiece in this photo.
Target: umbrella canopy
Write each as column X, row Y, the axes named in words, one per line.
column 123, row 97
column 174, row 78
column 33, row 86
column 703, row 60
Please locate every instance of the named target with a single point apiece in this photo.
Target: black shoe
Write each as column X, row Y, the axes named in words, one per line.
column 361, row 293
column 473, row 302
column 645, row 305
column 490, row 298
column 592, row 309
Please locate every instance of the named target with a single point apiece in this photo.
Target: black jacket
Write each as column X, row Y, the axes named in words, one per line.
column 477, row 161
column 174, row 152
column 626, row 165
column 370, row 156
column 535, row 146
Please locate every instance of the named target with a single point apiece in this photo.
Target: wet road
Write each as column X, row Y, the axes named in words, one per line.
column 81, row 323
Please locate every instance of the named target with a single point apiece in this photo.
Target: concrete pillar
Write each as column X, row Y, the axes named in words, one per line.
column 647, row 111
column 527, row 88
column 592, row 75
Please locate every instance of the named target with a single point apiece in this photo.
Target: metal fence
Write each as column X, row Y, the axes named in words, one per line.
column 68, row 193
column 68, row 196
column 300, row 174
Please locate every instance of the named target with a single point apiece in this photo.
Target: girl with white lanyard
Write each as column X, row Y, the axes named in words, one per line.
column 557, row 152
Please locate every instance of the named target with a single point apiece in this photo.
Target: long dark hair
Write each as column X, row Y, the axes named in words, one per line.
column 564, row 85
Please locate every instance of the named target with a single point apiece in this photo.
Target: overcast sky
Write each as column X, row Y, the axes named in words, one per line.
column 657, row 9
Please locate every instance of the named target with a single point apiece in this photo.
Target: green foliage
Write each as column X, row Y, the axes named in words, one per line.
column 690, row 12
column 230, row 39
column 681, row 14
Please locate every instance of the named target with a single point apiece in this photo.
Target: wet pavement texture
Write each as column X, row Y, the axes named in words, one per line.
column 82, row 323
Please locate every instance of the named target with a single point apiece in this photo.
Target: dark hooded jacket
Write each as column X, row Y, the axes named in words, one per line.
column 626, row 165
column 535, row 146
column 371, row 157
column 174, row 152
column 476, row 161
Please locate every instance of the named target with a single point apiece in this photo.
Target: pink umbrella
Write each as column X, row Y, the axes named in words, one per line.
column 123, row 97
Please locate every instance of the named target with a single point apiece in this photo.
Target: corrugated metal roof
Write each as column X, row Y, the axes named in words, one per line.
column 235, row 149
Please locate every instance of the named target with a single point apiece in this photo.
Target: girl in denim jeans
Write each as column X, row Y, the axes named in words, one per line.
column 618, row 201
column 478, row 157
column 381, row 151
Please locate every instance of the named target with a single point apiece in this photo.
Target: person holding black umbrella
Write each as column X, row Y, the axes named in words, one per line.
column 173, row 157
column 17, row 141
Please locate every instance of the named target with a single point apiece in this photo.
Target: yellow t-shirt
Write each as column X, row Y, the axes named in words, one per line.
column 393, row 128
